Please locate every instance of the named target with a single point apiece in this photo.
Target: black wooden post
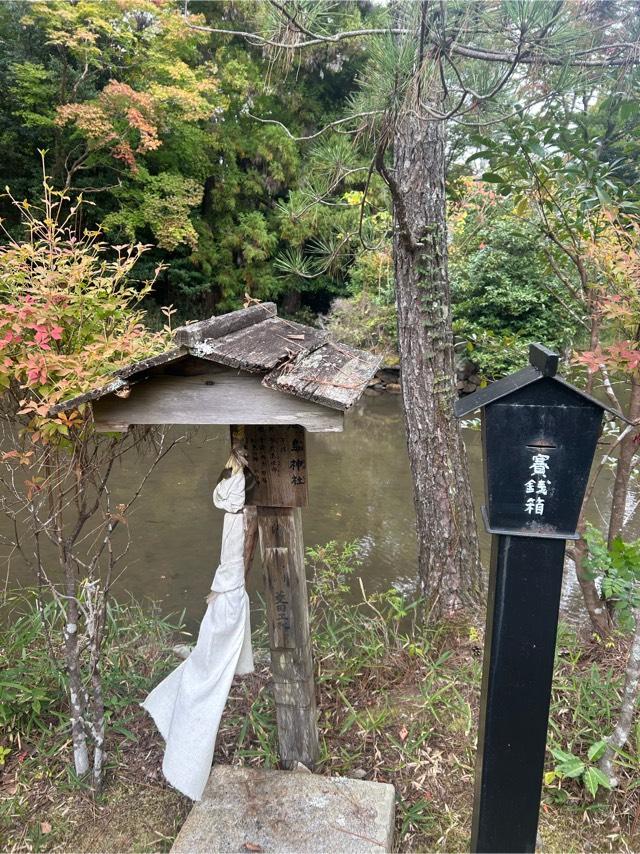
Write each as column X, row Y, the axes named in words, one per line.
column 522, row 616
column 539, row 436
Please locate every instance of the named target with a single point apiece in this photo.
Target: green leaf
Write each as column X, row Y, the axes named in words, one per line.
column 628, row 110
column 492, row 178
column 594, row 778
column 596, row 750
column 477, row 155
column 571, row 766
column 537, row 149
column 561, row 755
column 522, row 206
column 603, row 196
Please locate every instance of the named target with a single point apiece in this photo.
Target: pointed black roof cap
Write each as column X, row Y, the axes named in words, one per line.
column 543, row 363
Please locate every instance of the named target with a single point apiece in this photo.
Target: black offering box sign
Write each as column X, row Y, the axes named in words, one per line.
column 539, row 435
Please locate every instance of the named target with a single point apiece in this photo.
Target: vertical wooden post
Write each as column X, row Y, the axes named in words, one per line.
column 282, row 551
column 522, row 619
column 276, row 456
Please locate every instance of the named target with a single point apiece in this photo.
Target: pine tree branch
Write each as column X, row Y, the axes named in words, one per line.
column 468, row 51
column 262, row 41
column 406, row 234
column 568, row 62
column 322, row 130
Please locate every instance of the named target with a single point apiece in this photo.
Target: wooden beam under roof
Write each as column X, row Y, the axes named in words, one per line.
column 220, row 396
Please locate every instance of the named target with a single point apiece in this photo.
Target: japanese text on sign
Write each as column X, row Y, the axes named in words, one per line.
column 537, row 487
column 276, row 456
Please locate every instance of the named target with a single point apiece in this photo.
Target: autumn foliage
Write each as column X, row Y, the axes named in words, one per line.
column 70, row 314
column 120, row 119
column 615, row 267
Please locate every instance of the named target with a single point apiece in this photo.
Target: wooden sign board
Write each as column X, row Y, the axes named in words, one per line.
column 277, row 457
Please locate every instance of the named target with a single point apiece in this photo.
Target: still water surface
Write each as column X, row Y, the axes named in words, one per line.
column 359, row 489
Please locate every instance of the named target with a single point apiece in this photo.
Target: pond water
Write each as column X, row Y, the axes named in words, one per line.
column 360, row 489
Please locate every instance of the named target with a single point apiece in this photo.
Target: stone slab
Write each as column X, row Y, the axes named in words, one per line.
column 250, row 809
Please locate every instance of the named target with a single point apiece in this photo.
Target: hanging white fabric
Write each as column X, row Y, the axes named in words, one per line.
column 188, row 704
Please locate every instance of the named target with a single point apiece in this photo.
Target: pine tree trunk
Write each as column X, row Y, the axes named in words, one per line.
column 449, row 565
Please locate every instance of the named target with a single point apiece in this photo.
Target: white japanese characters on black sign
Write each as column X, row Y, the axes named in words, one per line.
column 536, row 488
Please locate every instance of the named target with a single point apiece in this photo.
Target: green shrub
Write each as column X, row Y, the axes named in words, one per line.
column 367, row 323
column 618, row 568
column 503, row 292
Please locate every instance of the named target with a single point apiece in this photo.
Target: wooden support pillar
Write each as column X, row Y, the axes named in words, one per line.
column 276, row 456
column 282, row 552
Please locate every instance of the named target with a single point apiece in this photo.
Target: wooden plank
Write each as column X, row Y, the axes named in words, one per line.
column 261, row 347
column 277, row 458
column 122, row 380
column 278, row 597
column 223, row 324
column 282, row 551
column 221, row 397
column 333, row 375
column 301, row 741
column 294, row 664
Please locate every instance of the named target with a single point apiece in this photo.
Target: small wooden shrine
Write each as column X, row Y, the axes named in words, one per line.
column 271, row 380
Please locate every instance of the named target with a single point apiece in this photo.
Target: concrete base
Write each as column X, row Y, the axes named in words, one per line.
column 249, row 809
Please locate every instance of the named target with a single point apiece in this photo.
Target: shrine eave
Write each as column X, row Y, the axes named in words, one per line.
column 292, row 358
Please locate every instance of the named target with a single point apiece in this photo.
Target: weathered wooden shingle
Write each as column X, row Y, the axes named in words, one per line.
column 224, row 324
column 261, row 347
column 334, row 375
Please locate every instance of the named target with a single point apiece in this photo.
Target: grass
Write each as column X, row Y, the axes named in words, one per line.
column 42, row 804
column 398, row 704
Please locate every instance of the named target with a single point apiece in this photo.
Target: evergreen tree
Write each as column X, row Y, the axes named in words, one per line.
column 150, row 119
column 431, row 64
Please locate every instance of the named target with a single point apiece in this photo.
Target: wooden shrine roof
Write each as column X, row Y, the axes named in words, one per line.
column 295, row 359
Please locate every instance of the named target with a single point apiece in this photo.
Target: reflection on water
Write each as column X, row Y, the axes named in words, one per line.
column 360, row 489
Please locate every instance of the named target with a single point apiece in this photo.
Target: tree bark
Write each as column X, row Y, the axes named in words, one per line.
column 448, row 563
column 76, row 691
column 620, row 735
column 596, row 607
column 626, row 454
